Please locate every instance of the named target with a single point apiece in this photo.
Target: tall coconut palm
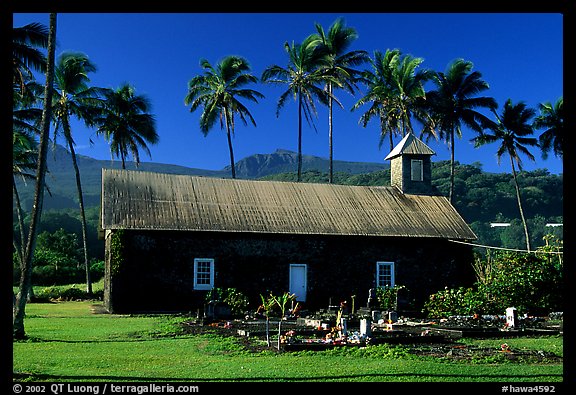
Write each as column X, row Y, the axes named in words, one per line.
column 24, row 156
column 340, row 65
column 19, row 301
column 396, row 90
column 26, row 122
column 381, row 94
column 127, row 123
column 26, row 55
column 511, row 131
column 551, row 118
column 73, row 97
column 410, row 92
column 218, row 91
column 454, row 104
column 26, row 119
column 303, row 76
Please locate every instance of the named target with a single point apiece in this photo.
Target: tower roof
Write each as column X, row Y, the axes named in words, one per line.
column 410, row 144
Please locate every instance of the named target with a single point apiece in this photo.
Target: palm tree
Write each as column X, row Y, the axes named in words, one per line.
column 26, row 55
column 24, row 155
column 380, row 93
column 73, row 97
column 305, row 71
column 127, row 123
column 511, row 130
column 396, row 91
column 551, row 118
column 340, row 66
column 454, row 103
column 217, row 91
column 19, row 301
column 26, row 120
column 410, row 92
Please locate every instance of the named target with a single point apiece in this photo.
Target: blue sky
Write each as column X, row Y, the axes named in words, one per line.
column 520, row 55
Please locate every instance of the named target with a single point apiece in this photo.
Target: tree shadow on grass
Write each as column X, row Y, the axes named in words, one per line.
column 126, row 339
column 386, row 377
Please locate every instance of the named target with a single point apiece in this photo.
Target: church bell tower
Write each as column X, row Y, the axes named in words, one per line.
column 411, row 167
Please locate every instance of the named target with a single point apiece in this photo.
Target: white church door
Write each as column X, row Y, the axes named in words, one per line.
column 298, row 281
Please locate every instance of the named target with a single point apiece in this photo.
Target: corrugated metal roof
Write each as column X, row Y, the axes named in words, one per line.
column 144, row 200
column 410, row 144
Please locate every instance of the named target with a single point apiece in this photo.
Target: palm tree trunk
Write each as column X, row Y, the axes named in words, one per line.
column 331, row 148
column 19, row 246
column 19, row 213
column 526, row 235
column 299, row 178
column 229, row 136
column 451, row 194
column 18, row 331
column 66, row 126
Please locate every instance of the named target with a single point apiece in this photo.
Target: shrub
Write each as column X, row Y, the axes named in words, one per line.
column 235, row 299
column 72, row 293
column 460, row 301
column 47, row 294
column 387, row 297
column 530, row 282
column 97, row 270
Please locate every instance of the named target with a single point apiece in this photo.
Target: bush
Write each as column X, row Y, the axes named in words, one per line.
column 387, row 297
column 235, row 299
column 47, row 294
column 97, row 270
column 530, row 282
column 49, row 275
column 460, row 301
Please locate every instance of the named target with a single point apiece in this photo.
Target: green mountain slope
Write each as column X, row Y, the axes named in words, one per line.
column 62, row 185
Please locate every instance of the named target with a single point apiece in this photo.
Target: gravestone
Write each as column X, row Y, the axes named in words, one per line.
column 365, row 327
column 512, row 317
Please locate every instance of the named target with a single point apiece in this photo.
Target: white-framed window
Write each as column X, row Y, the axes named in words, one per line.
column 203, row 273
column 385, row 274
column 417, row 170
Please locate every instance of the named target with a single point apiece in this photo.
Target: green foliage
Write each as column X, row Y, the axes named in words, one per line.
column 56, row 259
column 268, row 305
column 66, row 293
column 387, row 297
column 117, row 241
column 530, row 282
column 282, row 301
column 236, row 300
column 97, row 269
column 460, row 301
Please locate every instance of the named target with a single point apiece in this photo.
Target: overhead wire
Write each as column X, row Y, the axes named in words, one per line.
column 506, row 249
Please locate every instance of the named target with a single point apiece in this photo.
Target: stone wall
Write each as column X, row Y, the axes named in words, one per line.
column 400, row 169
column 157, row 268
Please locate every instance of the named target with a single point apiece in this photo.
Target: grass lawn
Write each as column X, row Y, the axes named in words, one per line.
column 68, row 341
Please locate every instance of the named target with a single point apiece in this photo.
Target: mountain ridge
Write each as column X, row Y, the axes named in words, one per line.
column 62, row 185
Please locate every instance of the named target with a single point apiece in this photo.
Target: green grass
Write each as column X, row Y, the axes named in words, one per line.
column 68, row 342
